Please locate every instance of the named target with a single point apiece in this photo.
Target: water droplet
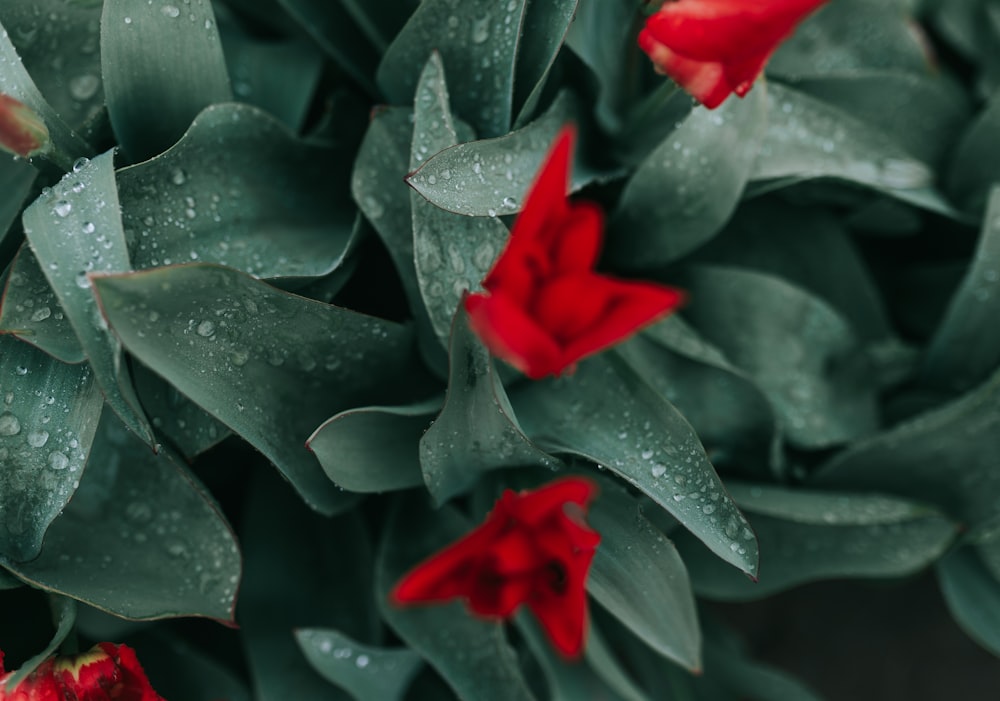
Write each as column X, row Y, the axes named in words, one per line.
column 41, row 314
column 647, row 454
column 83, row 87
column 362, row 661
column 88, row 227
column 128, row 20
column 21, row 370
column 79, row 164
column 170, row 11
column 481, row 30
column 9, row 424
column 82, row 281
column 658, row 470
column 58, row 461
column 178, row 177
column 62, row 208
column 36, row 439
column 139, row 512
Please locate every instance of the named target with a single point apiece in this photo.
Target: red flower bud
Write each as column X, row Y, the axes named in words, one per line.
column 545, row 306
column 713, row 48
column 22, row 131
column 106, row 672
column 531, row 550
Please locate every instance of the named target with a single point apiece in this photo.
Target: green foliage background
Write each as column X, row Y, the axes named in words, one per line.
column 235, row 386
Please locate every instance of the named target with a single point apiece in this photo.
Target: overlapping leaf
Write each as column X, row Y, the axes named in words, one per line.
column 366, row 672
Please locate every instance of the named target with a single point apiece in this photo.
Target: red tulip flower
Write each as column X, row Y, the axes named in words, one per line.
column 532, row 549
column 106, row 672
column 545, row 307
column 712, row 48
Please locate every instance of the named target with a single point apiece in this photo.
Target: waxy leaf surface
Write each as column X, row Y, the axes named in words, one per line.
column 365, row 671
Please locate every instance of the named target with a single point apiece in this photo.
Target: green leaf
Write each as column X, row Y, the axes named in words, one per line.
column 162, row 65
column 354, row 452
column 807, row 536
column 76, row 230
column 965, row 348
column 9, row 581
column 32, row 312
column 924, row 114
column 974, row 165
column 245, row 352
column 807, row 139
column 477, row 430
column 451, row 253
column 606, row 414
column 279, row 77
column 142, row 514
column 366, row 672
column 972, row 596
column 381, row 194
column 601, row 658
column 730, row 414
column 852, row 35
column 240, row 190
column 491, row 176
column 43, row 445
column 380, row 20
column 946, row 456
column 64, row 615
column 16, row 180
column 800, row 351
column 325, row 580
column 333, row 29
column 640, row 579
column 478, row 41
column 546, row 23
column 471, row 654
column 15, row 81
column 688, row 187
column 178, row 669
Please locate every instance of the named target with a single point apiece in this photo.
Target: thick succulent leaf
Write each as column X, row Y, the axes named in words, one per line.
column 162, row 64
column 279, row 77
column 245, row 352
column 602, row 36
column 640, row 579
column 974, row 166
column 490, row 177
column 48, row 418
column 688, row 187
column 64, row 616
column 75, row 230
column 799, row 350
column 946, row 456
column 477, row 429
column 965, row 348
column 471, row 654
column 972, row 596
column 806, row 536
column 354, row 452
column 186, row 426
column 15, row 81
column 852, row 35
column 333, row 29
column 810, row 248
column 61, row 52
column 807, row 138
column 478, row 41
column 31, row 310
column 546, row 24
column 605, row 413
column 730, row 414
column 383, row 197
column 365, row 671
column 924, row 114
column 451, row 253
column 143, row 514
column 240, row 190
column 329, row 572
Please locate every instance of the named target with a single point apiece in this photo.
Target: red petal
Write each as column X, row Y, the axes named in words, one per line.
column 704, row 80
column 563, row 612
column 536, row 505
column 727, row 30
column 576, row 244
column 630, row 307
column 510, row 334
column 547, row 195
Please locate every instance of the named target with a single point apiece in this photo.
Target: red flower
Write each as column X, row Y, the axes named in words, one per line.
column 545, row 307
column 22, row 132
column 106, row 672
column 530, row 550
column 712, row 48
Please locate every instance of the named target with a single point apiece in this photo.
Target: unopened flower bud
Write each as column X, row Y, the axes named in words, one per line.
column 22, row 131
